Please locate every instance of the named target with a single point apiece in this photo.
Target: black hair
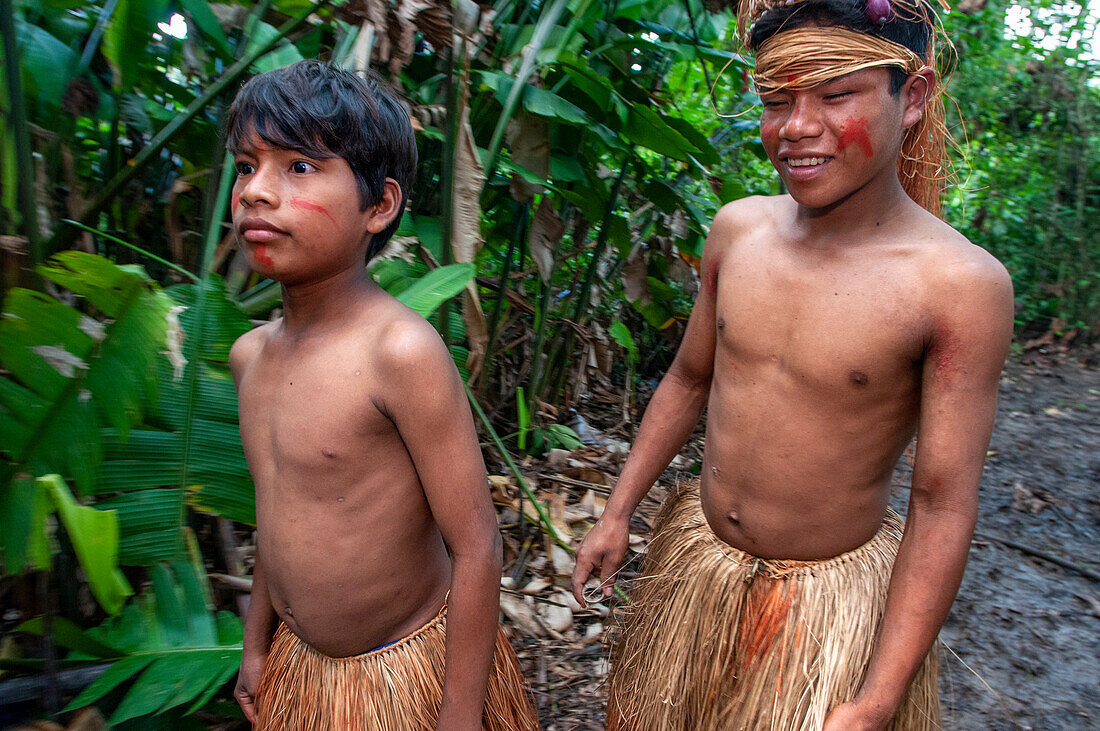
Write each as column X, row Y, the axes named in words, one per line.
column 324, row 112
column 852, row 14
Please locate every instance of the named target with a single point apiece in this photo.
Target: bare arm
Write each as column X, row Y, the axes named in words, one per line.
column 427, row 402
column 260, row 622
column 669, row 419
column 962, row 367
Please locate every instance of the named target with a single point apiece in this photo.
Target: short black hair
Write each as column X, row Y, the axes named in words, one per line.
column 323, row 111
column 852, row 14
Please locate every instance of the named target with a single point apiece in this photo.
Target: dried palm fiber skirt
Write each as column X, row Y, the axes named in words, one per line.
column 397, row 687
column 717, row 639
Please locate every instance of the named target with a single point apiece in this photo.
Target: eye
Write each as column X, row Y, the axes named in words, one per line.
column 244, row 168
column 774, row 103
column 301, row 167
column 837, row 95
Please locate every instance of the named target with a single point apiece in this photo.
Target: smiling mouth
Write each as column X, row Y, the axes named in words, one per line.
column 805, row 162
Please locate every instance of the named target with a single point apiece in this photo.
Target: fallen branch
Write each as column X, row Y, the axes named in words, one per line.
column 1041, row 554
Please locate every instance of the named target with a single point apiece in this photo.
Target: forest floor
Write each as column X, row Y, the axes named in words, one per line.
column 1021, row 648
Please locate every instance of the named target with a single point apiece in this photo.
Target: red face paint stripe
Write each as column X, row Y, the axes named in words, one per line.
column 260, row 253
column 311, row 206
column 235, row 201
column 855, row 131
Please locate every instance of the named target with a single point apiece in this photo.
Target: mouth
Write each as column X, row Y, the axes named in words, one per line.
column 806, row 162
column 804, row 166
column 258, row 231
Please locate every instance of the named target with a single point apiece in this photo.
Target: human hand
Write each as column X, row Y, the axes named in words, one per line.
column 248, row 679
column 603, row 548
column 853, row 716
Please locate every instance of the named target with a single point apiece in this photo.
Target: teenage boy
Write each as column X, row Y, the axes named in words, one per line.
column 375, row 590
column 780, row 591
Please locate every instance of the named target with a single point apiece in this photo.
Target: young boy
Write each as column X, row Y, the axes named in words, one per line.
column 833, row 323
column 375, row 591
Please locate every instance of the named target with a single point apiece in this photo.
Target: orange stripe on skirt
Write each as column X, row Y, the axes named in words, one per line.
column 719, row 640
column 398, row 687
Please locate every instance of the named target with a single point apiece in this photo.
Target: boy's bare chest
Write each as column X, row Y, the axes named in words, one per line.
column 319, row 409
column 834, row 327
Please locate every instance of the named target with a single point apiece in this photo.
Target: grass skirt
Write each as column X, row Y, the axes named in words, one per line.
column 398, row 687
column 717, row 639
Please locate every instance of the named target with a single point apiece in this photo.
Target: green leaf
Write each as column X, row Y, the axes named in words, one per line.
column 648, row 129
column 621, row 334
column 436, row 287
column 281, row 55
column 94, row 535
column 114, row 676
column 46, row 61
column 68, row 635
column 208, row 23
column 127, row 36
column 23, row 509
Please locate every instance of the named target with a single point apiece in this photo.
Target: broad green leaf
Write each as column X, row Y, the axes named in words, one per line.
column 69, row 636
column 94, row 535
column 208, row 23
column 647, row 128
column 622, row 336
column 114, row 676
column 23, row 509
column 128, row 34
column 46, row 61
column 436, row 287
column 281, row 55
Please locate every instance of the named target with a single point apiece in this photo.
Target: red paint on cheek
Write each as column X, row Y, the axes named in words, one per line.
column 855, row 132
column 235, row 201
column 303, row 204
column 260, row 252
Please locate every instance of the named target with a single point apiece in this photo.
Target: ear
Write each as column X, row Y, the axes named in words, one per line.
column 382, row 213
column 916, row 92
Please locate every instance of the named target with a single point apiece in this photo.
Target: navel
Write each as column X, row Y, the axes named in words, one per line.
column 859, row 378
column 721, row 323
column 328, row 451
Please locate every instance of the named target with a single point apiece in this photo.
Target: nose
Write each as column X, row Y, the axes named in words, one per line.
column 803, row 121
column 259, row 187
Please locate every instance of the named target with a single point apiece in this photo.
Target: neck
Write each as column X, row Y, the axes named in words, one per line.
column 868, row 208
column 309, row 305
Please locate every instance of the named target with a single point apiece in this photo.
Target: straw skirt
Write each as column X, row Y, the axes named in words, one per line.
column 398, row 687
column 717, row 639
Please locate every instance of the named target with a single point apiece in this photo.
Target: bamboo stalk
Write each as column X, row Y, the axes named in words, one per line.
column 21, row 134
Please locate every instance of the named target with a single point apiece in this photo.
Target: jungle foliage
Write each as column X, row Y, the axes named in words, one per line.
column 571, row 159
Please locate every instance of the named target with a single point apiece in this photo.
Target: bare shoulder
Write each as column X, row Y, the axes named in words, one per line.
column 743, row 216
column 247, row 346
column 961, row 273
column 406, row 342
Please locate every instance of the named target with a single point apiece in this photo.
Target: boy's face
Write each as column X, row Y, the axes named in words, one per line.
column 298, row 218
column 831, row 140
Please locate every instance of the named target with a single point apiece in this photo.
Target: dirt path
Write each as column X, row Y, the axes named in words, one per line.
column 1028, row 627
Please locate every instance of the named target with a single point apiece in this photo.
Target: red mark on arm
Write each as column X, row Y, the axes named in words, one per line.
column 710, row 278
column 855, row 131
column 262, row 258
column 305, row 205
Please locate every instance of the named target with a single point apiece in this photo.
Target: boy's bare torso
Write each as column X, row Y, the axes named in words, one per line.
column 352, row 556
column 816, row 384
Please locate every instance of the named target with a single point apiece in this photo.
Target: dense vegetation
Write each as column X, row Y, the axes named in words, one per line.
column 571, row 158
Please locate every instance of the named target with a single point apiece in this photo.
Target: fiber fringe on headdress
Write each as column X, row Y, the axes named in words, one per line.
column 716, row 639
column 808, row 55
column 395, row 688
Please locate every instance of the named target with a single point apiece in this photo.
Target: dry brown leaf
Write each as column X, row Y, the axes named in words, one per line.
column 501, row 489
column 635, row 277
column 555, row 510
column 1026, row 500
column 535, row 586
column 593, row 504
column 528, row 139
column 522, row 613
column 466, row 237
column 562, row 561
column 546, row 231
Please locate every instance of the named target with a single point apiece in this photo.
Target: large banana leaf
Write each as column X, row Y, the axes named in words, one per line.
column 168, row 643
column 70, row 373
column 189, row 451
